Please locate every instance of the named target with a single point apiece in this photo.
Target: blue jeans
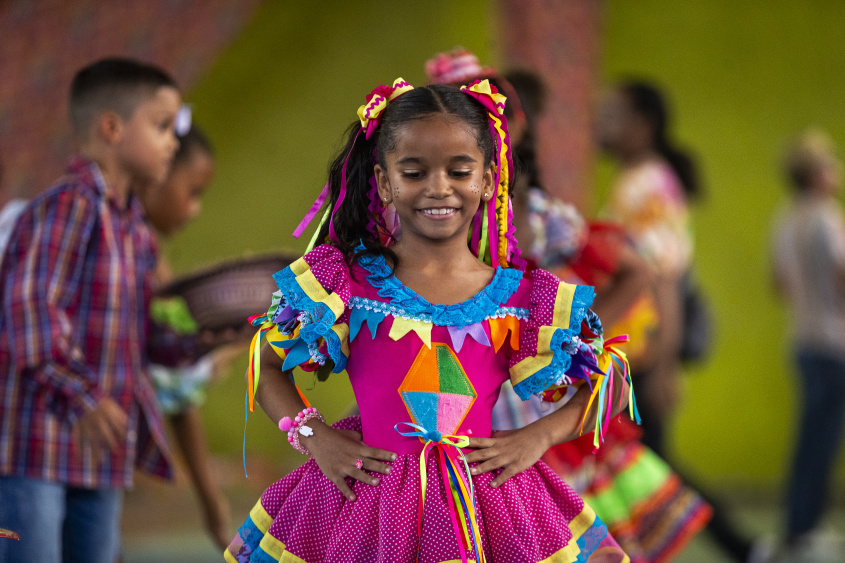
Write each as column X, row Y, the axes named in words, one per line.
column 59, row 523
column 819, row 439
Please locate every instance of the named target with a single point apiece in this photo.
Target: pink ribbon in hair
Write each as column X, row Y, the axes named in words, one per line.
column 370, row 116
column 315, row 207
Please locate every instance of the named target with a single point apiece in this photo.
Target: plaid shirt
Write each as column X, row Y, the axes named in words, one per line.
column 75, row 288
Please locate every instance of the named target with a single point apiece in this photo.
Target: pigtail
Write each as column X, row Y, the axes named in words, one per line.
column 354, row 216
column 495, row 240
column 348, row 205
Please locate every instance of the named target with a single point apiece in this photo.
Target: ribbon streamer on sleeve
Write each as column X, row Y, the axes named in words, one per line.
column 264, row 325
column 602, row 392
column 461, row 493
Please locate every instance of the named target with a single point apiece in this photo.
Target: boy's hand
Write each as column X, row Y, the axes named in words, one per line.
column 513, row 450
column 105, row 425
column 336, row 452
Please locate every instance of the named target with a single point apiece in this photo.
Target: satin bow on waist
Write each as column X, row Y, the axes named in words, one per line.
column 461, row 497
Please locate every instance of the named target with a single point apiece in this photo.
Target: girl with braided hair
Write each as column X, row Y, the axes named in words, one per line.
column 417, row 290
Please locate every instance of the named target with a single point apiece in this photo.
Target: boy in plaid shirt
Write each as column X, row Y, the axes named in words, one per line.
column 77, row 410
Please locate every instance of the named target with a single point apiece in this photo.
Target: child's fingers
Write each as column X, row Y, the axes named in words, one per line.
column 489, row 465
column 364, row 477
column 481, row 443
column 376, row 466
column 382, row 455
column 508, row 472
column 105, row 432
column 482, row 455
column 341, row 485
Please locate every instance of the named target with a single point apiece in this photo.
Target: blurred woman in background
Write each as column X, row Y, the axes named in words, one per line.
column 650, row 198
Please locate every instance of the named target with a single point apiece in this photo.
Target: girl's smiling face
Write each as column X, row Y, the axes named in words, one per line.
column 436, row 179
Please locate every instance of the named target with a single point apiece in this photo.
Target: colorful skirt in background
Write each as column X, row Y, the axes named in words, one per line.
column 531, row 518
column 646, row 507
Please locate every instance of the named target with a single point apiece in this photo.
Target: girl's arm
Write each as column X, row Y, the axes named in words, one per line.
column 517, row 450
column 335, row 451
column 661, row 391
column 187, row 427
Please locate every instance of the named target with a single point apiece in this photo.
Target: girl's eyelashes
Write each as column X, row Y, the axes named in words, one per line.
column 419, row 174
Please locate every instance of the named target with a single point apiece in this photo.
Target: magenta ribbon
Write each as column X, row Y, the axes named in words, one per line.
column 342, row 194
column 315, row 207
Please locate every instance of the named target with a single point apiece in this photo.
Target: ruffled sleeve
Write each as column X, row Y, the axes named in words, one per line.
column 306, row 324
column 561, row 348
column 556, row 342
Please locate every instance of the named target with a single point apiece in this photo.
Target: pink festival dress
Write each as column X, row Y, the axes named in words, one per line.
column 440, row 368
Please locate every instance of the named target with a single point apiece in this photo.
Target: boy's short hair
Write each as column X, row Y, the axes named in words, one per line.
column 805, row 155
column 113, row 84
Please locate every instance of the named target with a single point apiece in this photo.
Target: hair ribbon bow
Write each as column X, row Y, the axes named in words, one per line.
column 377, row 100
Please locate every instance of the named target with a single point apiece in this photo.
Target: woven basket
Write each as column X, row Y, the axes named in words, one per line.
column 225, row 295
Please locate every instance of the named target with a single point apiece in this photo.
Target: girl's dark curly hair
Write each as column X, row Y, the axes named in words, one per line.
column 352, row 217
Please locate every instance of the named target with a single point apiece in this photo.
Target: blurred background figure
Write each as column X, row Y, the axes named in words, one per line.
column 809, row 273
column 169, row 207
column 650, row 198
column 10, row 208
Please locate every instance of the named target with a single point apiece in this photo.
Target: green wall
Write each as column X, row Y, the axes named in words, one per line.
column 743, row 77
column 276, row 104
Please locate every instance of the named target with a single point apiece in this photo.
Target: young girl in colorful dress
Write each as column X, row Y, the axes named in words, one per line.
column 418, row 294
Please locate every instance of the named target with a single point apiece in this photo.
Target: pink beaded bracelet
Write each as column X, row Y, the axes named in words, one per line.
column 297, row 425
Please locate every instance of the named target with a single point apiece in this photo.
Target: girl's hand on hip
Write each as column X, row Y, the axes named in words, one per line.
column 512, row 450
column 337, row 452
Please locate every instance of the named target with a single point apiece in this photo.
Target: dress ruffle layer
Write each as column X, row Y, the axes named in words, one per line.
column 533, row 517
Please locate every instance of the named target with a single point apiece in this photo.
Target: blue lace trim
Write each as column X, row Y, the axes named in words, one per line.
column 581, row 301
column 486, row 303
column 261, row 556
column 251, row 536
column 315, row 320
column 395, row 311
column 320, row 316
column 591, row 539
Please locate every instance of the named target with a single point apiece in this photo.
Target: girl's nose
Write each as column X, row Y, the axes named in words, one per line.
column 440, row 186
